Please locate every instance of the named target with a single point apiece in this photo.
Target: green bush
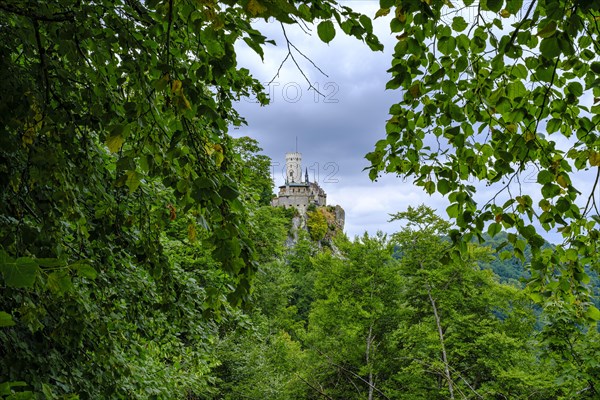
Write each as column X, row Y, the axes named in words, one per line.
column 317, row 224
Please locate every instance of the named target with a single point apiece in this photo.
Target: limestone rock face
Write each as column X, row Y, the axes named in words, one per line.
column 298, row 223
column 340, row 217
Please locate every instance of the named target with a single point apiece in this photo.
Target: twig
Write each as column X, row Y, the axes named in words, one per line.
column 352, row 373
column 290, row 54
column 314, row 388
column 585, row 210
column 309, row 60
column 516, row 31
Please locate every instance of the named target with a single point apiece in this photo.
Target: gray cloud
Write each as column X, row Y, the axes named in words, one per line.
column 336, row 131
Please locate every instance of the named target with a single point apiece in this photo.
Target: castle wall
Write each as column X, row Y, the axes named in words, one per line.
column 300, row 197
column 299, row 202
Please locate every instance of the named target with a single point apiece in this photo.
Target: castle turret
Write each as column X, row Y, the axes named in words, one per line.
column 293, row 167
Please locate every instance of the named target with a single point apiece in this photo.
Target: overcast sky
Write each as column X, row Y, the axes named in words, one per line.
column 336, row 131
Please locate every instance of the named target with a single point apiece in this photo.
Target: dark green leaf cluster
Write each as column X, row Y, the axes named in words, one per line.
column 126, row 211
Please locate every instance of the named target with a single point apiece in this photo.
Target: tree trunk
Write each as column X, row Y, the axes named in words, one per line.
column 370, row 339
column 441, row 334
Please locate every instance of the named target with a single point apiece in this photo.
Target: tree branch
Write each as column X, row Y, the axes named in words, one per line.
column 290, row 45
column 441, row 334
column 352, row 373
column 516, row 31
column 585, row 210
column 43, row 67
column 314, row 388
column 59, row 17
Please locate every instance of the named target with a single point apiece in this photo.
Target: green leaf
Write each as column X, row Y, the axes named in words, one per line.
column 545, row 176
column 593, row 313
column 254, row 45
column 514, row 6
column 133, row 180
column 6, row 319
column 536, row 297
column 494, row 229
column 452, row 210
column 114, row 143
column 492, row 5
column 553, row 125
column 47, row 390
column 326, row 31
column 550, row 48
column 459, row 24
column 366, row 23
column 430, row 187
column 446, row 45
column 116, row 138
column 19, row 273
column 382, row 12
column 60, row 282
column 575, row 88
column 304, row 12
column 550, row 190
column 443, row 186
column 229, row 192
column 548, row 30
column 519, row 71
column 85, row 270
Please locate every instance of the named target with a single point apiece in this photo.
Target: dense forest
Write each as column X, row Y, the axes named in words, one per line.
column 140, row 257
column 371, row 317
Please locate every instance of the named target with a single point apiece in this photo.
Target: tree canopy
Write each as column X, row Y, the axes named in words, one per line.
column 126, row 210
column 488, row 90
column 133, row 225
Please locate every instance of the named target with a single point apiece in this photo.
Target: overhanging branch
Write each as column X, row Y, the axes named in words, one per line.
column 29, row 13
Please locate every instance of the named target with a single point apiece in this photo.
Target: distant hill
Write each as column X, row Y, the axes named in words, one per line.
column 513, row 270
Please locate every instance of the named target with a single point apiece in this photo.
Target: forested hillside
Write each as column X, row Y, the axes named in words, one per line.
column 140, row 258
column 387, row 318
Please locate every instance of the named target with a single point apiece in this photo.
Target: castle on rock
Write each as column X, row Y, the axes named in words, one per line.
column 297, row 192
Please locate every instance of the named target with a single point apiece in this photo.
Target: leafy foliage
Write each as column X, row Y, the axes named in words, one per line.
column 317, row 224
column 355, row 307
column 126, row 209
column 461, row 332
column 133, row 225
column 513, row 86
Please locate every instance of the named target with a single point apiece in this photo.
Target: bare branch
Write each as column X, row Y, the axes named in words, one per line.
column 351, row 373
column 313, row 387
column 586, row 210
column 290, row 54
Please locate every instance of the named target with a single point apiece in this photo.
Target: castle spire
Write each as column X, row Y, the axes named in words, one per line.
column 306, row 176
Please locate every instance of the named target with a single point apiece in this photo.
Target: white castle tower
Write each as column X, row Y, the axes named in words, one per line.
column 293, row 167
